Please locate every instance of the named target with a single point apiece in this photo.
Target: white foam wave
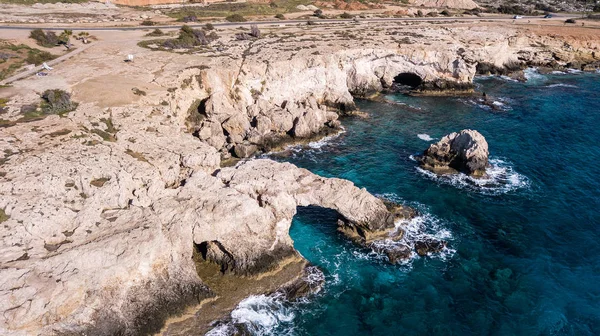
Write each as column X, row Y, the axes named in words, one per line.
column 259, row 314
column 423, row 227
column 533, row 76
column 506, row 78
column 222, row 330
column 425, row 137
column 322, row 142
column 501, row 178
column 574, row 71
column 562, row 85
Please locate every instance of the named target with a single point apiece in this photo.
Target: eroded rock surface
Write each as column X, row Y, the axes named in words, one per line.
column 465, row 151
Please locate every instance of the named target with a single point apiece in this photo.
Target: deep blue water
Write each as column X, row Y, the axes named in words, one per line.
column 523, row 255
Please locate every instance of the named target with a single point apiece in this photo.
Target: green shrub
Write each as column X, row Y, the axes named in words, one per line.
column 280, row 16
column 209, row 26
column 235, row 18
column 57, row 102
column 147, row 23
column 189, row 38
column 45, row 39
column 37, row 57
column 156, row 32
column 346, row 16
column 445, row 13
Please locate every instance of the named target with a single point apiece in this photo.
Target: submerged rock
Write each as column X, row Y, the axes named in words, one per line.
column 465, row 151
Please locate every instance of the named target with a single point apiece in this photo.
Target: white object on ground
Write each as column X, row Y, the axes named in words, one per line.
column 47, row 67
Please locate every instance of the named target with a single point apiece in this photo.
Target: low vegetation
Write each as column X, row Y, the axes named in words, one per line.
column 225, row 9
column 155, row 33
column 235, row 18
column 57, row 102
column 13, row 57
column 189, row 38
column 47, row 39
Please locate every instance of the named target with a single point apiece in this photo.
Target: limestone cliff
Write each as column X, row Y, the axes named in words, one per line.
column 105, row 208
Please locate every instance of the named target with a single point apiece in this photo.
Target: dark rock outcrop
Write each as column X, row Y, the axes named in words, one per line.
column 465, row 151
column 427, row 246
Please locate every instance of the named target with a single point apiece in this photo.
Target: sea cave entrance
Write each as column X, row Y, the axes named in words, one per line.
column 408, row 79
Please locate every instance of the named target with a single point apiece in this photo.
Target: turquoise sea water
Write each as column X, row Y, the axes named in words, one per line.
column 523, row 253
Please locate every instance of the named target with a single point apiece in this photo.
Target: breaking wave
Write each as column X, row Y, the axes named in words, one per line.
column 501, row 179
column 533, row 76
column 423, row 227
column 562, row 85
column 261, row 315
column 266, row 315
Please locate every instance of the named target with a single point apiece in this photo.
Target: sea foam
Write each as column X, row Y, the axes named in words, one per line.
column 501, row 179
column 425, row 137
column 425, row 226
column 259, row 314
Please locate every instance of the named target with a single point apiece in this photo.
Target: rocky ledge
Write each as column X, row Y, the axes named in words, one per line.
column 465, row 151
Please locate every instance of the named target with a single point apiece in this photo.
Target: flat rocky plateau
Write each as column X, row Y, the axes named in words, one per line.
column 144, row 205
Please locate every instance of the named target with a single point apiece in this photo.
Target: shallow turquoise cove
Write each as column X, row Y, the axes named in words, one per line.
column 524, row 247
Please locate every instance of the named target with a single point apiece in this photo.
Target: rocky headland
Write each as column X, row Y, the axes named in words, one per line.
column 120, row 214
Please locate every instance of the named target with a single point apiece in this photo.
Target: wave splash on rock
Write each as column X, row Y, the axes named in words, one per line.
column 500, row 178
column 424, row 235
column 271, row 314
column 425, row 137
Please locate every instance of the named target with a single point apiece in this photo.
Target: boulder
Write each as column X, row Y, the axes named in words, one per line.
column 398, row 253
column 244, row 150
column 465, row 151
column 427, row 246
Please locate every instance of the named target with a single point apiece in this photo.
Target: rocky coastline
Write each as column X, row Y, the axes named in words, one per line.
column 126, row 215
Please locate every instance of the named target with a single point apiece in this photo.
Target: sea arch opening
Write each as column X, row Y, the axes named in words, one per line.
column 408, row 79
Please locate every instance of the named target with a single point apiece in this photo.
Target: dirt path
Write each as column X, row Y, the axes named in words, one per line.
column 37, row 69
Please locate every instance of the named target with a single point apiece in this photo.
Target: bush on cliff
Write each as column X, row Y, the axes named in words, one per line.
column 57, row 102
